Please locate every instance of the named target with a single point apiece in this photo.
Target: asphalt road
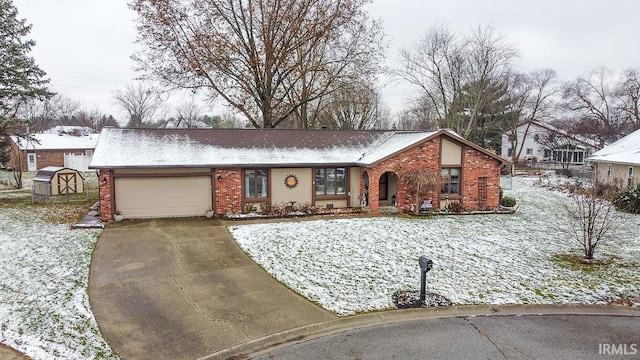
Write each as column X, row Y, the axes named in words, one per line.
column 483, row 337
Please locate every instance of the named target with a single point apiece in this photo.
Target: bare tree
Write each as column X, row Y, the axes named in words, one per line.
column 230, row 121
column 593, row 102
column 141, row 102
column 455, row 72
column 628, row 92
column 354, row 106
column 590, row 220
column 267, row 59
column 46, row 114
column 422, row 180
column 532, row 98
column 418, row 116
column 189, row 115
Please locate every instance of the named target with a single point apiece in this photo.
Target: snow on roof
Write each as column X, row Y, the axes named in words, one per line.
column 122, row 148
column 57, row 142
column 623, row 151
column 66, row 129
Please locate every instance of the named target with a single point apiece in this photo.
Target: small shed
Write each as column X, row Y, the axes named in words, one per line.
column 54, row 180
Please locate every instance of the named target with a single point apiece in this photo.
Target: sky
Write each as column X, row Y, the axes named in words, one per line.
column 85, row 45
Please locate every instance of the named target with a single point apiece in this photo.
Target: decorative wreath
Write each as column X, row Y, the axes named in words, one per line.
column 291, row 181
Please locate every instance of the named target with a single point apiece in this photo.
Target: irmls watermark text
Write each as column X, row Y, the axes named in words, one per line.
column 617, row 349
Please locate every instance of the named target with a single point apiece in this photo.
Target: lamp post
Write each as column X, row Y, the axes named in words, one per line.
column 425, row 265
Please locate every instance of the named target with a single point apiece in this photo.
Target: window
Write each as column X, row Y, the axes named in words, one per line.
column 630, row 179
column 451, row 181
column 609, row 170
column 255, row 183
column 88, row 153
column 530, row 151
column 331, row 181
column 509, row 152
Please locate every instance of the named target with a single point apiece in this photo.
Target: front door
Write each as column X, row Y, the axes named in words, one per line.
column 31, row 162
column 384, row 187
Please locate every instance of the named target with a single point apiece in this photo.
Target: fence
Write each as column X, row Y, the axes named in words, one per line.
column 77, row 162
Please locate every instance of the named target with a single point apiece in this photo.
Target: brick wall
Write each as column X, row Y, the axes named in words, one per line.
column 479, row 165
column 228, row 191
column 423, row 155
column 427, row 155
column 105, row 188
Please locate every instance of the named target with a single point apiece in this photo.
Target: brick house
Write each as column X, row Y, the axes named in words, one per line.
column 185, row 172
column 49, row 149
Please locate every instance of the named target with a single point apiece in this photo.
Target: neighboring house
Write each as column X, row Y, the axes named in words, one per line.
column 540, row 142
column 619, row 163
column 73, row 150
column 166, row 173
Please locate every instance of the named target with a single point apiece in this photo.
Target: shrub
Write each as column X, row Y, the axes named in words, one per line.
column 564, row 172
column 628, row 200
column 508, row 201
column 455, row 207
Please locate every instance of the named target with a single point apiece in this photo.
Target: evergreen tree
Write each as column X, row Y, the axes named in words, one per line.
column 21, row 79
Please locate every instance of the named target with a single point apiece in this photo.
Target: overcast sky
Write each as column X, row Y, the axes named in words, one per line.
column 84, row 45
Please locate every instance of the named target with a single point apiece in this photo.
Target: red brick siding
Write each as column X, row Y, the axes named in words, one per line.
column 228, row 192
column 105, row 188
column 423, row 155
column 11, row 163
column 477, row 165
column 427, row 155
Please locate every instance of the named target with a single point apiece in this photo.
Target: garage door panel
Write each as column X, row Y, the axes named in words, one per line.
column 163, row 196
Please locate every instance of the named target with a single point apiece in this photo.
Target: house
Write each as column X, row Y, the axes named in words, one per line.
column 63, row 146
column 619, row 163
column 541, row 142
column 146, row 173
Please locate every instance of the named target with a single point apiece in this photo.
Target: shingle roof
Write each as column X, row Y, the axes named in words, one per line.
column 57, row 142
column 125, row 148
column 623, row 151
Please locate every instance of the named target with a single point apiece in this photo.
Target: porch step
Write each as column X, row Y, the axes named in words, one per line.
column 388, row 210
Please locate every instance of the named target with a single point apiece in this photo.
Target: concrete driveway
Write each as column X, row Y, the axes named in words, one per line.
column 183, row 289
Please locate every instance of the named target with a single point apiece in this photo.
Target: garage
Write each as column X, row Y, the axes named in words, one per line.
column 172, row 196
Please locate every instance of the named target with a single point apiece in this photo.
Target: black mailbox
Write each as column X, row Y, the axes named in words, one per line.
column 425, row 263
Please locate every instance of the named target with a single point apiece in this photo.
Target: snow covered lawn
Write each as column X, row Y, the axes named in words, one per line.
column 355, row 265
column 44, row 307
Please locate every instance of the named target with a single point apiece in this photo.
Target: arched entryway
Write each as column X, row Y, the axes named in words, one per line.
column 388, row 189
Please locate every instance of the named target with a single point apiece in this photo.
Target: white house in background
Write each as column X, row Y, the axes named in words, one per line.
column 619, row 163
column 532, row 147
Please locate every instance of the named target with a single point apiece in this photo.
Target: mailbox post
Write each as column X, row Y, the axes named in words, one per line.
column 425, row 265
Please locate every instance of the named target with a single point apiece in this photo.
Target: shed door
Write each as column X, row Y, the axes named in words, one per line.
column 163, row 196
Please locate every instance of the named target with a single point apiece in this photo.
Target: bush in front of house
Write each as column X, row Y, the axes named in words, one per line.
column 508, row 201
column 628, row 200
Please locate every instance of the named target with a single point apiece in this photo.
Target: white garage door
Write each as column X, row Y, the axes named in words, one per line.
column 163, row 196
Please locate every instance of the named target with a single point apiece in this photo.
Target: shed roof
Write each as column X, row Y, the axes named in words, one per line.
column 624, row 151
column 128, row 148
column 47, row 173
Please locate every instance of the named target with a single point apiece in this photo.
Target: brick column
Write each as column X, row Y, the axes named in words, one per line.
column 228, row 191
column 105, row 182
